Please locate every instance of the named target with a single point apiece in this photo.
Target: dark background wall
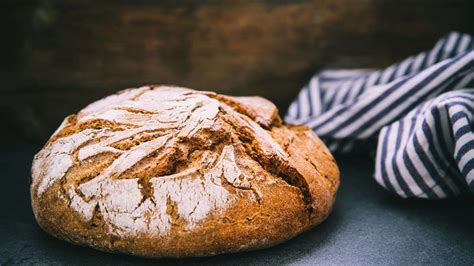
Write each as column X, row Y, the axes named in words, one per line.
column 58, row 56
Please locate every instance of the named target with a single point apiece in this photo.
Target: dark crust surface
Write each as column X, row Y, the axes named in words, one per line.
column 293, row 195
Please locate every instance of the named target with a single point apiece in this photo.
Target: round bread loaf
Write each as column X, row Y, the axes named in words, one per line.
column 164, row 171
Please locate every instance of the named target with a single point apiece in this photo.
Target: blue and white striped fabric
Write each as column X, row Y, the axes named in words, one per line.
column 417, row 115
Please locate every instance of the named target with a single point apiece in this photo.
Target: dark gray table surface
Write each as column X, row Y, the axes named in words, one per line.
column 367, row 226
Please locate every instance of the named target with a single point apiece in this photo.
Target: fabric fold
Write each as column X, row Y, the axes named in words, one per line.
column 417, row 115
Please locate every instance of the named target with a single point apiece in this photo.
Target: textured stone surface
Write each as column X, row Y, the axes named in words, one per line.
column 367, row 227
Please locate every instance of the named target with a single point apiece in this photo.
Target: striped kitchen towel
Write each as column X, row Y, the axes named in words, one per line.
column 417, row 115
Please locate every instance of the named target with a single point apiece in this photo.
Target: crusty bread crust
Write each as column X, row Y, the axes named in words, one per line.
column 171, row 172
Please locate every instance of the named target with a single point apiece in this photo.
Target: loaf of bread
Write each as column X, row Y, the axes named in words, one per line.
column 163, row 171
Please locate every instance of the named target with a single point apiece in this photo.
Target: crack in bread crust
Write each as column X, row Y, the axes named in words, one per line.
column 147, row 160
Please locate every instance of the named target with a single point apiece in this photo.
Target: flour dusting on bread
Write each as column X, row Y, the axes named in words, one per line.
column 162, row 171
column 171, row 116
